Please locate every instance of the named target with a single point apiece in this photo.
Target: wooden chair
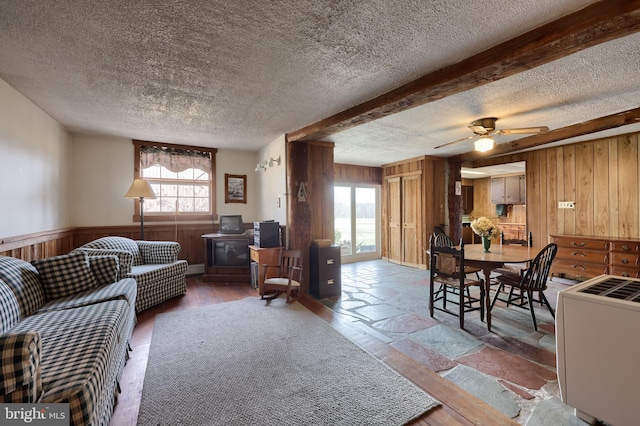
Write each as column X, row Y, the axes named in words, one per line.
column 519, row 268
column 445, row 266
column 287, row 279
column 533, row 280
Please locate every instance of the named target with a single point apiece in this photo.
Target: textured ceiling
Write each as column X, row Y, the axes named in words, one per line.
column 238, row 74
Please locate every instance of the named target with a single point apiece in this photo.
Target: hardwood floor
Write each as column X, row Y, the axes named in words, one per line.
column 458, row 407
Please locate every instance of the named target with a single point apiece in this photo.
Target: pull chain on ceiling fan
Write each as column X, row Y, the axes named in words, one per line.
column 485, row 128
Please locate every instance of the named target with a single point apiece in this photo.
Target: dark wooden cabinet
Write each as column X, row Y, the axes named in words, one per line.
column 470, row 237
column 324, row 271
column 227, row 258
column 467, row 198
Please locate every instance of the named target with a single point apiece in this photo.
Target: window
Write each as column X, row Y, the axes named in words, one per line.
column 182, row 177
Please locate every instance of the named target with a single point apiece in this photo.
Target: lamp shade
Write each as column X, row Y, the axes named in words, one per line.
column 484, row 144
column 140, row 188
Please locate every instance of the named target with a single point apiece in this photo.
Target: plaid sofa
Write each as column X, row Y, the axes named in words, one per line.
column 65, row 328
column 153, row 264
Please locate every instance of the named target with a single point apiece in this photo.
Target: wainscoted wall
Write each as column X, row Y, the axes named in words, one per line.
column 601, row 176
column 57, row 242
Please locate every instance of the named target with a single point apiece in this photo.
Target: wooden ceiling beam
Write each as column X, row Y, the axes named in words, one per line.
column 612, row 121
column 598, row 23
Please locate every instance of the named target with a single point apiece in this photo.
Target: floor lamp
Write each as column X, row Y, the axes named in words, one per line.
column 141, row 189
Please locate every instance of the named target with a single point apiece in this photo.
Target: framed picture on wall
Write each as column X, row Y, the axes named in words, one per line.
column 235, row 188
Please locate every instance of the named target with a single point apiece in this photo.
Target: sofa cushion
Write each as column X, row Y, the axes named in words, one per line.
column 158, row 252
column 104, row 269
column 117, row 243
column 65, row 275
column 125, row 258
column 89, row 335
column 9, row 308
column 125, row 289
column 23, row 279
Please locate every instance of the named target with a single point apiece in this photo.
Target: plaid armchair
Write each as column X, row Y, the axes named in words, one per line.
column 153, row 264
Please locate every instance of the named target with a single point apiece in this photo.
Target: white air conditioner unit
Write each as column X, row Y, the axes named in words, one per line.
column 598, row 349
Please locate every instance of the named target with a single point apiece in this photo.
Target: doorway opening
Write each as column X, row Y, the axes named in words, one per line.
column 357, row 222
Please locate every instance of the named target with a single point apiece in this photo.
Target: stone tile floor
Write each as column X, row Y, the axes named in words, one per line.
column 512, row 368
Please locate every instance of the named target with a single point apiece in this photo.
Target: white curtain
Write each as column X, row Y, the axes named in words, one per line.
column 176, row 160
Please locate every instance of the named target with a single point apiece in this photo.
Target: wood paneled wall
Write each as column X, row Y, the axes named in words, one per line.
column 600, row 176
column 310, row 163
column 347, row 173
column 58, row 242
column 38, row 245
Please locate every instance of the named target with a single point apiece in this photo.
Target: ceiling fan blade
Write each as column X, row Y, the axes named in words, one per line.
column 523, row 130
column 459, row 140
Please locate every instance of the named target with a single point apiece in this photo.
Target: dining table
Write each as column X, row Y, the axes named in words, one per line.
column 497, row 256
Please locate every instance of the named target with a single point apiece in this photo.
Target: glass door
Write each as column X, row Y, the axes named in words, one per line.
column 357, row 222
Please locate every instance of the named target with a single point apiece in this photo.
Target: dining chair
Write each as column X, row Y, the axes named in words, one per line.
column 534, row 280
column 445, row 270
column 287, row 279
column 519, row 268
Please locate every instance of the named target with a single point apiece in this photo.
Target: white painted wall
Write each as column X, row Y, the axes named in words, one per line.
column 272, row 183
column 236, row 162
column 103, row 172
column 105, row 165
column 36, row 164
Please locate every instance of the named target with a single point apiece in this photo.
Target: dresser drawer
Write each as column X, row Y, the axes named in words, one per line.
column 625, row 246
column 578, row 269
column 577, row 242
column 625, row 259
column 625, row 272
column 582, row 256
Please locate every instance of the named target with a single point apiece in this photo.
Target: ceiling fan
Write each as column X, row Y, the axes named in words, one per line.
column 485, row 128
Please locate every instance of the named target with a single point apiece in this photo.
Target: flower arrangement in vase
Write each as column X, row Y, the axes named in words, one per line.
column 483, row 227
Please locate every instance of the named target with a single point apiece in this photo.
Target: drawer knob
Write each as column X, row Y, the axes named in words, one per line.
column 573, row 243
column 578, row 253
column 625, row 274
column 625, row 261
column 579, row 267
column 329, row 261
column 626, row 248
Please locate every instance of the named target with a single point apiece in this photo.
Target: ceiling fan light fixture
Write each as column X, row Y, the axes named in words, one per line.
column 484, row 144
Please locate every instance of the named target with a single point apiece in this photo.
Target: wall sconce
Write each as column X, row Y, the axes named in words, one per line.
column 262, row 166
column 273, row 161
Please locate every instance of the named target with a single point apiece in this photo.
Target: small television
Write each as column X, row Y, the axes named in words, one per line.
column 231, row 224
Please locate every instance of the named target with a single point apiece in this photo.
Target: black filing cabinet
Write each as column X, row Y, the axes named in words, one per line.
column 324, row 266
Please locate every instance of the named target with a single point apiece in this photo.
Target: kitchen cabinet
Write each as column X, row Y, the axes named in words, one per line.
column 467, row 198
column 508, row 190
column 513, row 231
column 470, row 237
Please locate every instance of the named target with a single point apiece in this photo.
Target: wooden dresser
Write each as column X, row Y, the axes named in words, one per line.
column 581, row 257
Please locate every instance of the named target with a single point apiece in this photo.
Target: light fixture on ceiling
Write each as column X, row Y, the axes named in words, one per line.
column 484, row 144
column 141, row 189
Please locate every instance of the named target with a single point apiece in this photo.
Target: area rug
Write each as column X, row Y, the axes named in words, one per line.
column 254, row 363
